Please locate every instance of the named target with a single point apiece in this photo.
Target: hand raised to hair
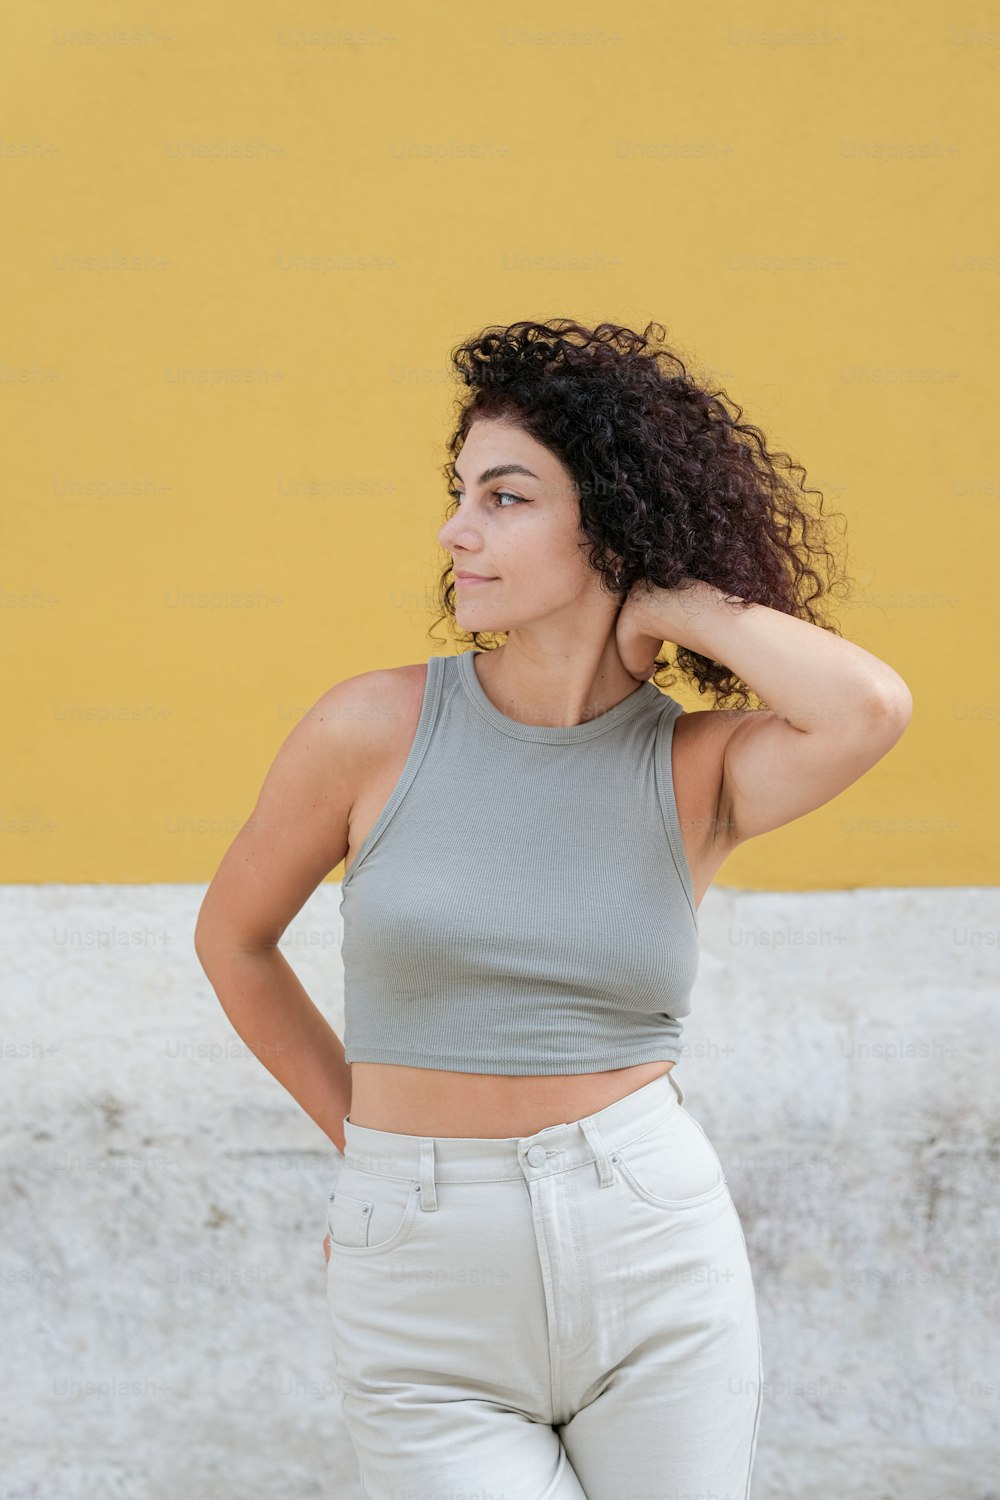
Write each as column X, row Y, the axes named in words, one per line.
column 645, row 617
column 637, row 648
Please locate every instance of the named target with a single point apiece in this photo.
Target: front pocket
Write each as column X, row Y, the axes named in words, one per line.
column 349, row 1219
column 368, row 1213
column 672, row 1166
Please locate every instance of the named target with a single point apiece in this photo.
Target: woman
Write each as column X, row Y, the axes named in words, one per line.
column 537, row 1278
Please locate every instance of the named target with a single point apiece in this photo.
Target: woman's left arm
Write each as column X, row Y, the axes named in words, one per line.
column 835, row 709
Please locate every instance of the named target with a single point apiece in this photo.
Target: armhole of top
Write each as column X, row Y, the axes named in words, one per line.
column 664, row 774
column 421, row 739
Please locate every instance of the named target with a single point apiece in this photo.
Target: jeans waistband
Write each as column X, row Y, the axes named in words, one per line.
column 554, row 1149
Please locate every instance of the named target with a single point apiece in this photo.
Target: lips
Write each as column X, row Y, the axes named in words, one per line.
column 475, row 577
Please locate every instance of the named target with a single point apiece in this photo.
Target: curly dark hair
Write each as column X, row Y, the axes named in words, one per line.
column 671, row 485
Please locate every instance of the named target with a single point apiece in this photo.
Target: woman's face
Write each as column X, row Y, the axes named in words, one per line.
column 520, row 528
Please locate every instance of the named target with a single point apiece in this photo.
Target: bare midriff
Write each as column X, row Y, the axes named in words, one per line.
column 436, row 1101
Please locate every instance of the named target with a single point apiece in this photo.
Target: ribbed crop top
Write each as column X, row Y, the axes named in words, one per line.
column 522, row 903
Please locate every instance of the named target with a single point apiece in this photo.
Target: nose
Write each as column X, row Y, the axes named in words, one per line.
column 458, row 532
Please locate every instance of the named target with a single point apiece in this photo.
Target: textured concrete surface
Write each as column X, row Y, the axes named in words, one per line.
column 164, row 1317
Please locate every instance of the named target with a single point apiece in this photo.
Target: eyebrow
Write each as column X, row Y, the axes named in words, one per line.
column 498, row 471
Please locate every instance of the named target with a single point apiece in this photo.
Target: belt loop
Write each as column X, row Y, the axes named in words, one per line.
column 605, row 1173
column 428, row 1194
column 675, row 1086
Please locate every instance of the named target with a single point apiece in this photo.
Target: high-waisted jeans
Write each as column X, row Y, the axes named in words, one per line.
column 568, row 1315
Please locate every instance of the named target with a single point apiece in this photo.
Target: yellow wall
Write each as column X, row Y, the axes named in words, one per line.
column 798, row 194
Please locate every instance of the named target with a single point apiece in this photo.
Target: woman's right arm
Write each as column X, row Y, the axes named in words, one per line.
column 297, row 833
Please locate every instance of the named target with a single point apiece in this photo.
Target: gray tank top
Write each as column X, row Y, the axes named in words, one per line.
column 522, row 903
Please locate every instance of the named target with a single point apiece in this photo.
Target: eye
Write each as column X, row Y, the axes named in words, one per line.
column 497, row 495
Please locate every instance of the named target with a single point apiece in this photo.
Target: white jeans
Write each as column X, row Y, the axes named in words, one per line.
column 568, row 1315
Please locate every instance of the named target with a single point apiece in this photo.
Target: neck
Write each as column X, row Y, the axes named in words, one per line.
column 552, row 685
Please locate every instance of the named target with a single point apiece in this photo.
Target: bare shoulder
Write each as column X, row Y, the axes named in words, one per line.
column 370, row 714
column 304, row 818
column 371, row 723
column 387, row 704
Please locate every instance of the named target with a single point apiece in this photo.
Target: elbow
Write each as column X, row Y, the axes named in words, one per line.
column 210, row 927
column 890, row 708
column 206, row 939
column 214, row 942
column 200, row 938
column 201, row 946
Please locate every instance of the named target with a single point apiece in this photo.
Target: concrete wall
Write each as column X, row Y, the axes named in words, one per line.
column 165, row 1324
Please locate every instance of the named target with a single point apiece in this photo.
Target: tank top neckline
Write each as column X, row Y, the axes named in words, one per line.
column 643, row 697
